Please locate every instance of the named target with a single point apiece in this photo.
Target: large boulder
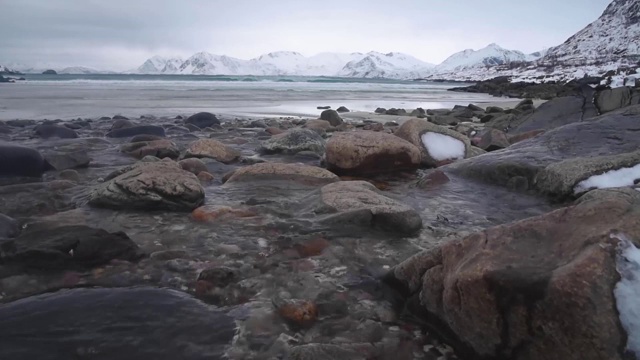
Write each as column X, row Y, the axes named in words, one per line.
column 161, row 185
column 541, row 288
column 202, row 120
column 68, row 247
column 573, row 177
column 609, row 134
column 613, row 99
column 21, row 161
column 492, row 140
column 295, row 141
column 137, row 130
column 212, row 149
column 437, row 144
column 279, row 171
column 363, row 203
column 332, row 117
column 54, row 131
column 368, row 152
column 109, row 323
column 158, row 148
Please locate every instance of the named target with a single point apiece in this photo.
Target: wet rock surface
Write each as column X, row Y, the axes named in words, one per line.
column 286, row 250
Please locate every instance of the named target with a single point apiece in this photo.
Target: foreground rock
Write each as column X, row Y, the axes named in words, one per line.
column 67, row 160
column 609, row 134
column 437, row 144
column 9, row 228
column 575, row 176
column 202, row 120
column 21, row 161
column 160, row 324
column 360, row 203
column 279, row 171
column 295, row 141
column 159, row 185
column 213, row 149
column 541, row 288
column 68, row 247
column 54, row 131
column 368, row 152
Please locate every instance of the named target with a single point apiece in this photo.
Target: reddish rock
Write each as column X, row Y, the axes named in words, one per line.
column 492, row 140
column 209, row 213
column 312, row 247
column 205, row 177
column 193, row 165
column 541, row 288
column 274, row 131
column 300, row 313
column 433, row 179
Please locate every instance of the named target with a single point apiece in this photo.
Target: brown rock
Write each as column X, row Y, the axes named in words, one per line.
column 209, row 148
column 540, row 288
column 300, row 313
column 279, row 171
column 205, row 177
column 365, row 152
column 313, row 247
column 193, row 165
column 210, row 213
column 274, row 131
column 413, row 130
column 157, row 148
column 433, row 179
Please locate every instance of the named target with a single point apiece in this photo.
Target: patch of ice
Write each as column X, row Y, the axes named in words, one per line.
column 610, row 179
column 442, row 147
column 627, row 291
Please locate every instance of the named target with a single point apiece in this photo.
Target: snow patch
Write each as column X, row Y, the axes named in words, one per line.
column 610, row 179
column 627, row 291
column 443, row 147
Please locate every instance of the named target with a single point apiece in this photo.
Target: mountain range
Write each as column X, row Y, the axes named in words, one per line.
column 609, row 43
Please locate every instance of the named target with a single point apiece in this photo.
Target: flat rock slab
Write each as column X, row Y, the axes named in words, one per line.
column 161, row 185
column 295, row 141
column 213, row 149
column 68, row 247
column 129, row 323
column 362, row 203
column 283, row 172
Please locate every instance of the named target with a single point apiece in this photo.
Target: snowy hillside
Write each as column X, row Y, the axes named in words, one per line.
column 293, row 63
column 391, row 65
column 7, row 71
column 159, row 65
column 82, row 70
column 612, row 38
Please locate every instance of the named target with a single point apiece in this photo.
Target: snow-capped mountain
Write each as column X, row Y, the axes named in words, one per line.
column 492, row 55
column 293, row 63
column 160, row 65
column 82, row 70
column 613, row 38
column 391, row 65
column 7, row 71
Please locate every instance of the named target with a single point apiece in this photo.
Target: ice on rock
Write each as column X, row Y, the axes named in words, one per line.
column 610, row 179
column 627, row 291
column 442, row 147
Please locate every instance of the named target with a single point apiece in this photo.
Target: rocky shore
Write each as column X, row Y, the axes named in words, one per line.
column 455, row 233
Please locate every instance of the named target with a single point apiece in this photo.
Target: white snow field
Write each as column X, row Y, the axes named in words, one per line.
column 442, row 147
column 627, row 291
column 610, row 179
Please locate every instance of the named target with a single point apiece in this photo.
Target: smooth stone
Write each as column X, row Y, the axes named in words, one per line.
column 137, row 130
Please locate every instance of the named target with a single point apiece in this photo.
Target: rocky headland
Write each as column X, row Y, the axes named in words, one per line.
column 472, row 232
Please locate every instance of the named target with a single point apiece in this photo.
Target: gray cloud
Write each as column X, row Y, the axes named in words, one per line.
column 119, row 34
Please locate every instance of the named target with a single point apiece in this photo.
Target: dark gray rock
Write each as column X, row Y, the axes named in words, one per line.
column 493, row 109
column 343, row 109
column 122, row 323
column 137, row 130
column 21, row 123
column 332, row 117
column 202, row 120
column 613, row 99
column 9, row 227
column 68, row 247
column 69, row 160
column 20, row 161
column 121, row 124
column 396, row 112
column 380, row 110
column 144, row 137
column 54, row 131
column 295, row 141
column 609, row 134
column 120, row 117
column 552, row 114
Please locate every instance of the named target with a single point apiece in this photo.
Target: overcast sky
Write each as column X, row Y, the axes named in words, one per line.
column 121, row 34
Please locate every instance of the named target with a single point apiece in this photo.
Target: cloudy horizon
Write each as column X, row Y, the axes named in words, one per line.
column 121, row 35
